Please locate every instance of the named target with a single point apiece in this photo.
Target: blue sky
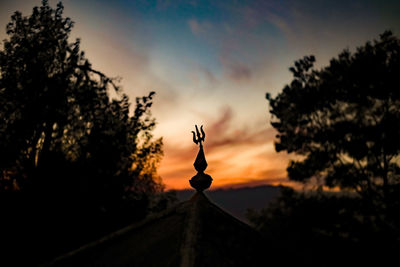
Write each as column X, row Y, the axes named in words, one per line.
column 211, row 63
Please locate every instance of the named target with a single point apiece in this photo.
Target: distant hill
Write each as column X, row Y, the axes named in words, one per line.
column 237, row 200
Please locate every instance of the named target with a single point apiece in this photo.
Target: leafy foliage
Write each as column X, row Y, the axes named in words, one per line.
column 54, row 103
column 68, row 152
column 343, row 122
column 319, row 228
column 344, row 119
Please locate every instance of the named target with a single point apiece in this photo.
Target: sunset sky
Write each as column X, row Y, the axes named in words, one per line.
column 211, row 63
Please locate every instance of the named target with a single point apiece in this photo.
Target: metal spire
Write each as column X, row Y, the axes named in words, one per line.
column 200, row 181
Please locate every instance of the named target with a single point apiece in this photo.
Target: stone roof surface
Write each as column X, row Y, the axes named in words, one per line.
column 193, row 233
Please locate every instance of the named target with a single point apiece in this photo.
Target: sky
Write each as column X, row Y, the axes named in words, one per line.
column 211, row 63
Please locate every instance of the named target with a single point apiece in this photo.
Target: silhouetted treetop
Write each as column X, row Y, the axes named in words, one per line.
column 344, row 119
column 75, row 163
column 53, row 104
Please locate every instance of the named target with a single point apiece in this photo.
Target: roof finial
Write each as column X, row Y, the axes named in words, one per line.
column 200, row 138
column 200, row 181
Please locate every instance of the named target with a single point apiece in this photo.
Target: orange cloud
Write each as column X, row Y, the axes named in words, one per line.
column 235, row 155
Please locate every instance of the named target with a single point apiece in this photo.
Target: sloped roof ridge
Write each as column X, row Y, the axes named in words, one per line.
column 195, row 211
column 179, row 208
column 194, row 223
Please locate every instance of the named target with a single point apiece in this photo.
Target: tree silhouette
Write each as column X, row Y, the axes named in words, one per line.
column 344, row 119
column 68, row 152
column 343, row 122
column 53, row 102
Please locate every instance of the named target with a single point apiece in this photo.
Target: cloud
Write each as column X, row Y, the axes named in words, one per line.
column 199, row 28
column 280, row 23
column 239, row 72
column 203, row 77
column 194, row 26
column 209, row 76
column 218, row 127
column 235, row 154
column 224, row 134
column 236, row 71
column 251, row 182
column 163, row 4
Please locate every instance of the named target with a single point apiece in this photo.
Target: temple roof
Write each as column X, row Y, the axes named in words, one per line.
column 193, row 233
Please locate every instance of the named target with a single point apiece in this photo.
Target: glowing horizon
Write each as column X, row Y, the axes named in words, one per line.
column 211, row 63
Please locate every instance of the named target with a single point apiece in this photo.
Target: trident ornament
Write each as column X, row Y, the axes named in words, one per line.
column 201, row 180
column 200, row 138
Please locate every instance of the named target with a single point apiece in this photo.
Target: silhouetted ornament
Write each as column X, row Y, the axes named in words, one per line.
column 201, row 180
column 193, row 233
